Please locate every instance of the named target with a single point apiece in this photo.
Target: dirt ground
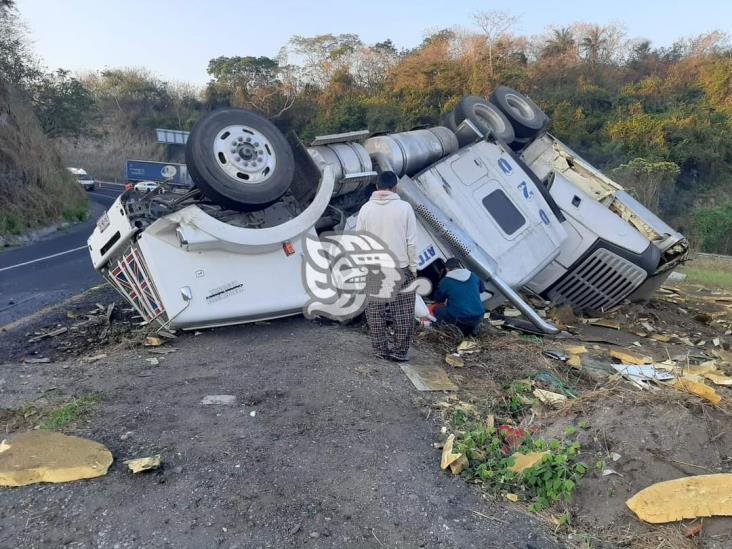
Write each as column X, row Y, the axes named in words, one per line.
column 325, row 447
column 329, row 447
column 637, row 438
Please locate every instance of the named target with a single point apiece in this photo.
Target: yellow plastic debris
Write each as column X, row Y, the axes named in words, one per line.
column 700, row 369
column 628, row 358
column 512, row 497
column 605, row 323
column 698, row 389
column 457, row 466
column 467, row 346
column 547, row 397
column 574, row 361
column 684, row 498
column 526, row 461
column 454, row 361
column 143, row 464
column 576, row 349
column 153, row 341
column 448, row 456
column 717, row 379
column 43, row 456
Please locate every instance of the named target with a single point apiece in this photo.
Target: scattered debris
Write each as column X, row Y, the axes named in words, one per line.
column 605, row 323
column 153, row 341
column 52, row 333
column 548, row 397
column 152, row 361
column 143, row 464
column 428, row 377
column 692, row 530
column 37, row 360
column 628, row 358
column 684, row 498
column 526, row 461
column 45, row 456
column 95, row 357
column 639, row 374
column 576, row 349
column 219, row 400
column 454, row 360
column 698, row 389
column 512, row 497
column 253, row 413
column 467, row 346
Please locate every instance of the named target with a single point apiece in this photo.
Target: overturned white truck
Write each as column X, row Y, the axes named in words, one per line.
column 490, row 187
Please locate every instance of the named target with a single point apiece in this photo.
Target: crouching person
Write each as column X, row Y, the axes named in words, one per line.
column 459, row 291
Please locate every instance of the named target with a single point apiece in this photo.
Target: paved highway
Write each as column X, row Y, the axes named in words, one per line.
column 53, row 269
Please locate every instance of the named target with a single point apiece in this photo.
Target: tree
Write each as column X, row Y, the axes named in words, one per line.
column 63, row 105
column 594, row 43
column 248, row 72
column 258, row 83
column 561, row 42
column 324, row 55
column 495, row 25
column 648, row 180
column 18, row 65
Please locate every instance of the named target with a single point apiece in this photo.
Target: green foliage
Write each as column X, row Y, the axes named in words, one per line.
column 552, row 480
column 712, row 229
column 63, row 105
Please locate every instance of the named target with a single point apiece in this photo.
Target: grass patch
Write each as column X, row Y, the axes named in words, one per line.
column 553, row 479
column 69, row 412
column 76, row 213
column 710, row 272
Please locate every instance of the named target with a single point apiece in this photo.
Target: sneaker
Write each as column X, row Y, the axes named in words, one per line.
column 399, row 358
column 382, row 357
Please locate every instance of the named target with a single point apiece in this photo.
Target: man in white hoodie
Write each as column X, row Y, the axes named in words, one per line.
column 391, row 219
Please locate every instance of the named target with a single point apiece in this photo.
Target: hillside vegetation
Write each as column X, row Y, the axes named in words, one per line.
column 658, row 120
column 35, row 189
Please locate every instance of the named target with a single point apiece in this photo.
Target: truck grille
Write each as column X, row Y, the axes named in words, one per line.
column 128, row 274
column 599, row 283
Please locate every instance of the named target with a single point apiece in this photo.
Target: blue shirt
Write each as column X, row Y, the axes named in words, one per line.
column 461, row 289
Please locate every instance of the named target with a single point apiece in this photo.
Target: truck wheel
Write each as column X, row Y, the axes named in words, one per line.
column 239, row 159
column 486, row 117
column 527, row 119
column 449, row 121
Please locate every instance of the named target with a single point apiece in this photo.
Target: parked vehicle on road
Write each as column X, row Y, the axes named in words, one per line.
column 491, row 187
column 84, row 179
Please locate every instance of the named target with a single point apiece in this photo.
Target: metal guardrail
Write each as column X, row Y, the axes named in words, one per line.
column 714, row 256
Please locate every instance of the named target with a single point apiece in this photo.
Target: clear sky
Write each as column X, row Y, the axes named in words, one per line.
column 176, row 38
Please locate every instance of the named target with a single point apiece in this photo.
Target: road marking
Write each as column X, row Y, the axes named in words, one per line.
column 42, row 258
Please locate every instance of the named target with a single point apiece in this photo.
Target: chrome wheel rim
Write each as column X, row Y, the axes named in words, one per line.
column 244, row 154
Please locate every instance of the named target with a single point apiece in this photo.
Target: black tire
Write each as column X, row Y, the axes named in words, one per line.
column 527, row 119
column 520, row 143
column 244, row 189
column 485, row 116
column 449, row 121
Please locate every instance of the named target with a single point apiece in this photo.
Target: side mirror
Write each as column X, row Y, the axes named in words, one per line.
column 186, row 293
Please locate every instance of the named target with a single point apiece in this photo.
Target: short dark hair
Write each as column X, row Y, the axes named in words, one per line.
column 452, row 263
column 387, row 180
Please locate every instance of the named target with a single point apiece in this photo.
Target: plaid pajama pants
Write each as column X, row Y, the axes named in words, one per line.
column 400, row 310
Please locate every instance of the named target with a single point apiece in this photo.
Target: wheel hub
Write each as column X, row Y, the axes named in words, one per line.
column 244, row 154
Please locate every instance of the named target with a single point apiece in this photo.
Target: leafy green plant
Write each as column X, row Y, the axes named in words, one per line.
column 553, row 479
